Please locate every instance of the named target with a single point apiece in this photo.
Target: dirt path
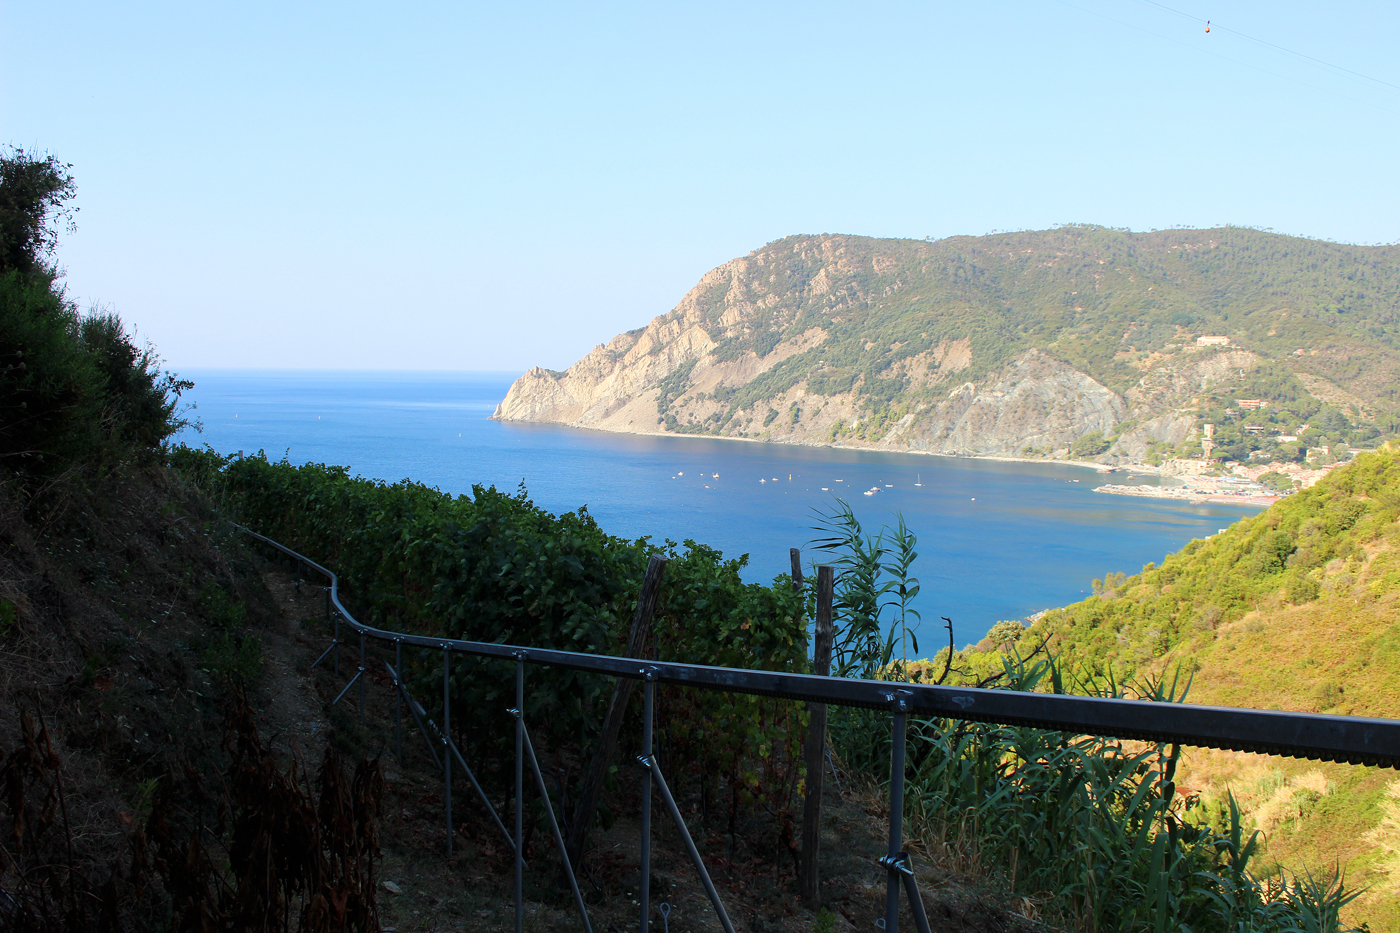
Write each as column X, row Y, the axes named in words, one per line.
column 422, row 890
column 293, row 711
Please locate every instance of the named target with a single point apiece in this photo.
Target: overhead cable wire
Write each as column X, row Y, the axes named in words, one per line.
column 1210, row 24
column 1234, row 61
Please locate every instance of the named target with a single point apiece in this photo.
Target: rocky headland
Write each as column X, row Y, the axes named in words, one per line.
column 1075, row 343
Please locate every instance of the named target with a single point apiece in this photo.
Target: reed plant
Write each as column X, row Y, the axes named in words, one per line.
column 874, row 582
column 1090, row 829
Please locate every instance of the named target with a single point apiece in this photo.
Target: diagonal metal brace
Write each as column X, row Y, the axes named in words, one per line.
column 334, row 645
column 903, row 865
column 429, row 729
column 335, row 637
column 347, row 687
column 553, row 822
column 419, row 714
column 899, row 863
column 650, row 764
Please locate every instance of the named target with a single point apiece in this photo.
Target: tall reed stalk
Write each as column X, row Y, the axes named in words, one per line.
column 1089, row 828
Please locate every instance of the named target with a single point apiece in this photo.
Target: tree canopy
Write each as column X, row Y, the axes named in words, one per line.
column 75, row 390
column 35, row 191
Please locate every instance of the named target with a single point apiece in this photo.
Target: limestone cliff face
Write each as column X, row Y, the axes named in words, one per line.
column 909, row 345
column 1036, row 402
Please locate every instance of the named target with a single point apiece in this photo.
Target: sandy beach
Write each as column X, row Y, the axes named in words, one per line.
column 1198, row 489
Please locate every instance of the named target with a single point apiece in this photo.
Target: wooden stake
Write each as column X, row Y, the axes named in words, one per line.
column 612, row 722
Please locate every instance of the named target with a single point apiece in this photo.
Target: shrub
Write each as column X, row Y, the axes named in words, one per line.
column 495, row 567
column 74, row 390
column 1090, row 445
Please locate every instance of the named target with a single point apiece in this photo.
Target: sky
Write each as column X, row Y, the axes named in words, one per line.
column 463, row 186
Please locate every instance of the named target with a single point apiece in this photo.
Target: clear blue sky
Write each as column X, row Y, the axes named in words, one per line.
column 459, row 186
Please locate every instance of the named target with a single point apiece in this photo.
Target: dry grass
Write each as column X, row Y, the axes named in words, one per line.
column 1338, row 655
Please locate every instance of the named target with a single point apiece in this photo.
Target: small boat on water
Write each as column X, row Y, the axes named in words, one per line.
column 919, row 479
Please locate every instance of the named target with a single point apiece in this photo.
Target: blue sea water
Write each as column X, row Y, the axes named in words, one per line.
column 996, row 540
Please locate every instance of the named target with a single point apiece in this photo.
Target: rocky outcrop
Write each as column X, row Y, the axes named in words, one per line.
column 1037, row 402
column 1170, row 429
column 1178, row 381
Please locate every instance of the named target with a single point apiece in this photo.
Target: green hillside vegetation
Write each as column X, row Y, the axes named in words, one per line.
column 1107, row 302
column 129, row 614
column 1119, row 849
column 74, row 389
column 1289, row 411
column 1297, row 608
column 1316, row 545
column 495, row 567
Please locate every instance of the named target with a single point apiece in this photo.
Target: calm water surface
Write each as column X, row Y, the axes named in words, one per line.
column 996, row 540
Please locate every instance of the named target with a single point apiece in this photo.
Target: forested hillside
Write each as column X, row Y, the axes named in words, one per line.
column 1325, row 547
column 1007, row 343
column 131, row 632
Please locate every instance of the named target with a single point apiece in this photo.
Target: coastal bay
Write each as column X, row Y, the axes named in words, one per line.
column 998, row 538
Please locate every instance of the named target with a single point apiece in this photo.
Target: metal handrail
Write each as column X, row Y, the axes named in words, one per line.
column 1315, row 736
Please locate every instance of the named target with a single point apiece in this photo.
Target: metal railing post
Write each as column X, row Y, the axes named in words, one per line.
column 520, row 792
column 447, row 739
column 893, row 881
column 361, row 675
column 398, row 702
column 335, row 645
column 814, row 747
column 644, row 892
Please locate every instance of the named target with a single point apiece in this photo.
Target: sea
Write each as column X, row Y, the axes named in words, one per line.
column 996, row 540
